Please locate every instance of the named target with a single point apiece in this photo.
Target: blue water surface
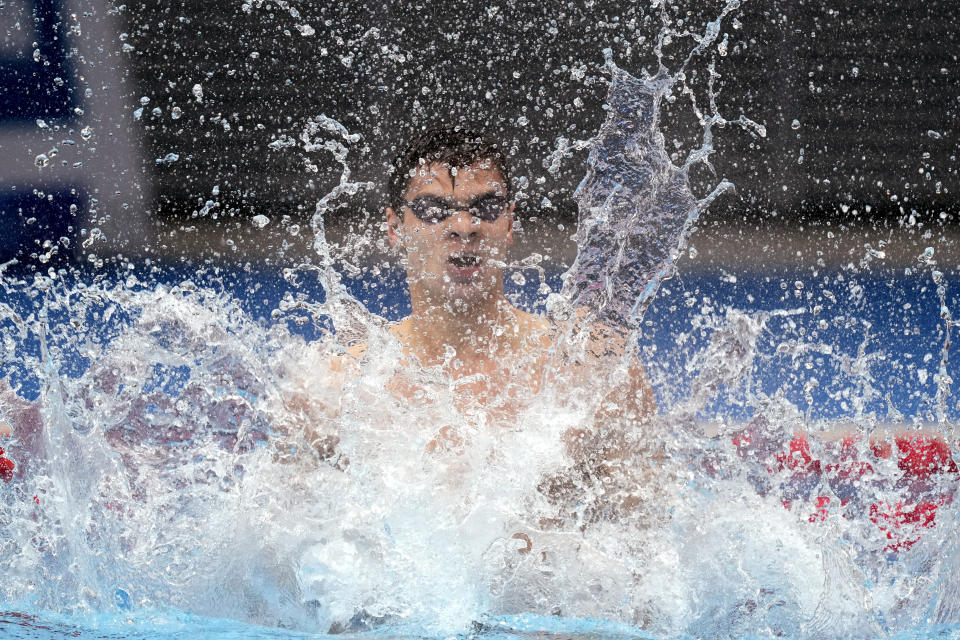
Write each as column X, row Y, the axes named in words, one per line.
column 176, row 626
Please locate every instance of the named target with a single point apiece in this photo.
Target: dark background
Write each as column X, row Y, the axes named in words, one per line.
column 859, row 103
column 866, row 81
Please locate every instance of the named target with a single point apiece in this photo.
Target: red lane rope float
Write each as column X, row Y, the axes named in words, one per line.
column 6, row 467
column 902, row 521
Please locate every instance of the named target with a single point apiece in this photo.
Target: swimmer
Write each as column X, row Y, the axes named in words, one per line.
column 450, row 215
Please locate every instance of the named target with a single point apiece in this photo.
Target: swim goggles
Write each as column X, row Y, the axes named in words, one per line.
column 435, row 209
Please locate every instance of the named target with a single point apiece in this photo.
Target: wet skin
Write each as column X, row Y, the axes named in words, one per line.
column 451, row 263
column 502, row 357
column 461, row 305
column 456, row 286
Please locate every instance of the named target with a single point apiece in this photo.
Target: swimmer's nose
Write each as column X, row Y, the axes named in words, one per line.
column 461, row 227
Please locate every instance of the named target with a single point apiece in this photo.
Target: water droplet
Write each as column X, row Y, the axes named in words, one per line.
column 795, row 124
column 41, row 160
column 855, row 72
column 175, row 113
column 170, row 158
column 85, row 133
column 306, row 30
column 936, row 135
column 144, row 100
column 197, row 92
column 42, row 124
column 260, row 221
column 138, row 113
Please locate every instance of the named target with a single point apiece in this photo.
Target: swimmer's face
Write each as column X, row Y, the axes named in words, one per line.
column 454, row 227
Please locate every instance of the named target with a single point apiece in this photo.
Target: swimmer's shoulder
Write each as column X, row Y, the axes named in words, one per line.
column 318, row 362
column 532, row 321
column 534, row 328
column 349, row 359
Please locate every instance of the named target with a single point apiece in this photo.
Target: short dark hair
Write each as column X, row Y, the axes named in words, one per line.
column 454, row 145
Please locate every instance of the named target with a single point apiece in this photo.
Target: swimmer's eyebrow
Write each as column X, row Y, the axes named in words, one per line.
column 483, row 197
column 430, row 201
column 438, row 201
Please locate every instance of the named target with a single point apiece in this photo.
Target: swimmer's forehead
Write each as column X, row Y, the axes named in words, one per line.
column 442, row 179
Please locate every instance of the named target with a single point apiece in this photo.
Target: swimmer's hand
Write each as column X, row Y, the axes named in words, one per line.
column 447, row 439
column 305, row 414
column 596, row 353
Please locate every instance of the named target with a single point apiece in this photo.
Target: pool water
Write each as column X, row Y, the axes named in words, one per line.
column 886, row 541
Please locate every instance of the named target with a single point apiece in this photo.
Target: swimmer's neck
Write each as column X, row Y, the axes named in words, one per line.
column 477, row 333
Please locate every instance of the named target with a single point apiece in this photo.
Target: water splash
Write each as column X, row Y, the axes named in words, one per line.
column 636, row 208
column 166, row 410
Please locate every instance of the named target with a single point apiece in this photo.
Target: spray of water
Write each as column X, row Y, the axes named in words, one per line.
column 180, row 455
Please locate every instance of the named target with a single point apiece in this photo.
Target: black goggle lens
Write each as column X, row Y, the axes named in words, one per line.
column 433, row 210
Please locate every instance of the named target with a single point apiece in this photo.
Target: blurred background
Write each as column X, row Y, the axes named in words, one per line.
column 169, row 126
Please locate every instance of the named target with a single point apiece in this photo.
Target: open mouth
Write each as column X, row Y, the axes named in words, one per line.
column 464, row 260
column 464, row 267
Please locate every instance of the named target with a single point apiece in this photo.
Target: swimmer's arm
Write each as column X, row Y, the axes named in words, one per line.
column 628, row 403
column 307, row 414
column 624, row 407
column 631, row 397
column 632, row 400
column 615, row 451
